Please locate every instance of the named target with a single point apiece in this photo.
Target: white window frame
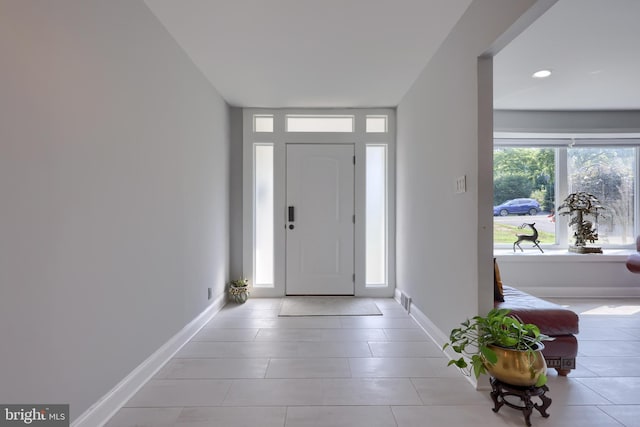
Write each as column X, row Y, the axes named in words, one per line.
column 561, row 142
column 280, row 138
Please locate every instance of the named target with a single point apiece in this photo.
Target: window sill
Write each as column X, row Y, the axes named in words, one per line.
column 561, row 255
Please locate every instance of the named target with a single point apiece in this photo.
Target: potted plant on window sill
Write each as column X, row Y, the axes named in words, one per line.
column 239, row 290
column 502, row 346
column 581, row 206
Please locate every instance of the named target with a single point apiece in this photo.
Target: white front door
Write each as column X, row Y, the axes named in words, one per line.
column 320, row 219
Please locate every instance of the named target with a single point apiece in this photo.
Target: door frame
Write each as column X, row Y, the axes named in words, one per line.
column 278, row 139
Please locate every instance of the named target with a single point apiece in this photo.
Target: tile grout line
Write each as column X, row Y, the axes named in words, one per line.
column 611, row 416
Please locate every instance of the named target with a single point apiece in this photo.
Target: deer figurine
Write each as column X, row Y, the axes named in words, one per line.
column 533, row 238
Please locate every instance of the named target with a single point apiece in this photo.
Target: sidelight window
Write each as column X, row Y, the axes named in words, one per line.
column 263, row 192
column 376, row 215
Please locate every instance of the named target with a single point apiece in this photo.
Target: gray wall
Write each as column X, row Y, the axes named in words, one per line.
column 235, row 207
column 627, row 121
column 570, row 275
column 114, row 190
column 443, row 255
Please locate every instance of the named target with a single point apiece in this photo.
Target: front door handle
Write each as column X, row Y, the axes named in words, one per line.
column 291, row 214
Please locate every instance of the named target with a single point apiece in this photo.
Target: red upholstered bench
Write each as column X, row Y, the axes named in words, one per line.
column 553, row 320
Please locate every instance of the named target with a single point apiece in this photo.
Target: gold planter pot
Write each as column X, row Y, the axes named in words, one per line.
column 517, row 367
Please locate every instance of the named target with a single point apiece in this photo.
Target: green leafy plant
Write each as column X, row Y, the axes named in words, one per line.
column 240, row 283
column 498, row 328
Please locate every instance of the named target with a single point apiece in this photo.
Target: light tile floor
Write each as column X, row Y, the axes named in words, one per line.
column 248, row 367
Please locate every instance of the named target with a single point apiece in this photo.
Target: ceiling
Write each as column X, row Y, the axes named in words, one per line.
column 593, row 49
column 310, row 53
column 363, row 53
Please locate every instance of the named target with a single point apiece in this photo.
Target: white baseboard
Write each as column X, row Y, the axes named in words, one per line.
column 396, row 295
column 436, row 335
column 439, row 338
column 101, row 411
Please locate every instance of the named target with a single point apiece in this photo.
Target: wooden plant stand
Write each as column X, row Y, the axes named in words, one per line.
column 500, row 390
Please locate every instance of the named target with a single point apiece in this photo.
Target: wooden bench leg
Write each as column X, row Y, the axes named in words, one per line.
column 562, row 365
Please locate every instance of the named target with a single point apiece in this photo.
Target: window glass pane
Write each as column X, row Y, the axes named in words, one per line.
column 297, row 123
column 609, row 174
column 376, row 124
column 523, row 184
column 263, row 215
column 263, row 123
column 376, row 213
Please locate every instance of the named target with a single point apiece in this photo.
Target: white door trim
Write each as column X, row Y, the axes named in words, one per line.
column 279, row 138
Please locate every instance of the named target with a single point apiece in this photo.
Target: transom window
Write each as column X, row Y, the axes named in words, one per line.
column 263, row 123
column 376, row 124
column 318, row 123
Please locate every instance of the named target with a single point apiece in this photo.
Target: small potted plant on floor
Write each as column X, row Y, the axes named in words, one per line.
column 502, row 346
column 239, row 290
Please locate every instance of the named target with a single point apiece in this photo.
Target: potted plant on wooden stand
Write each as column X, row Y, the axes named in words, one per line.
column 502, row 346
column 508, row 350
column 239, row 290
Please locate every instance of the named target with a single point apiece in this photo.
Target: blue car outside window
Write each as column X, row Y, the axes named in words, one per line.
column 517, row 206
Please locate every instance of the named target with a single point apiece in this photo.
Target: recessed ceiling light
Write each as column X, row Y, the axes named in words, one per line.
column 541, row 74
